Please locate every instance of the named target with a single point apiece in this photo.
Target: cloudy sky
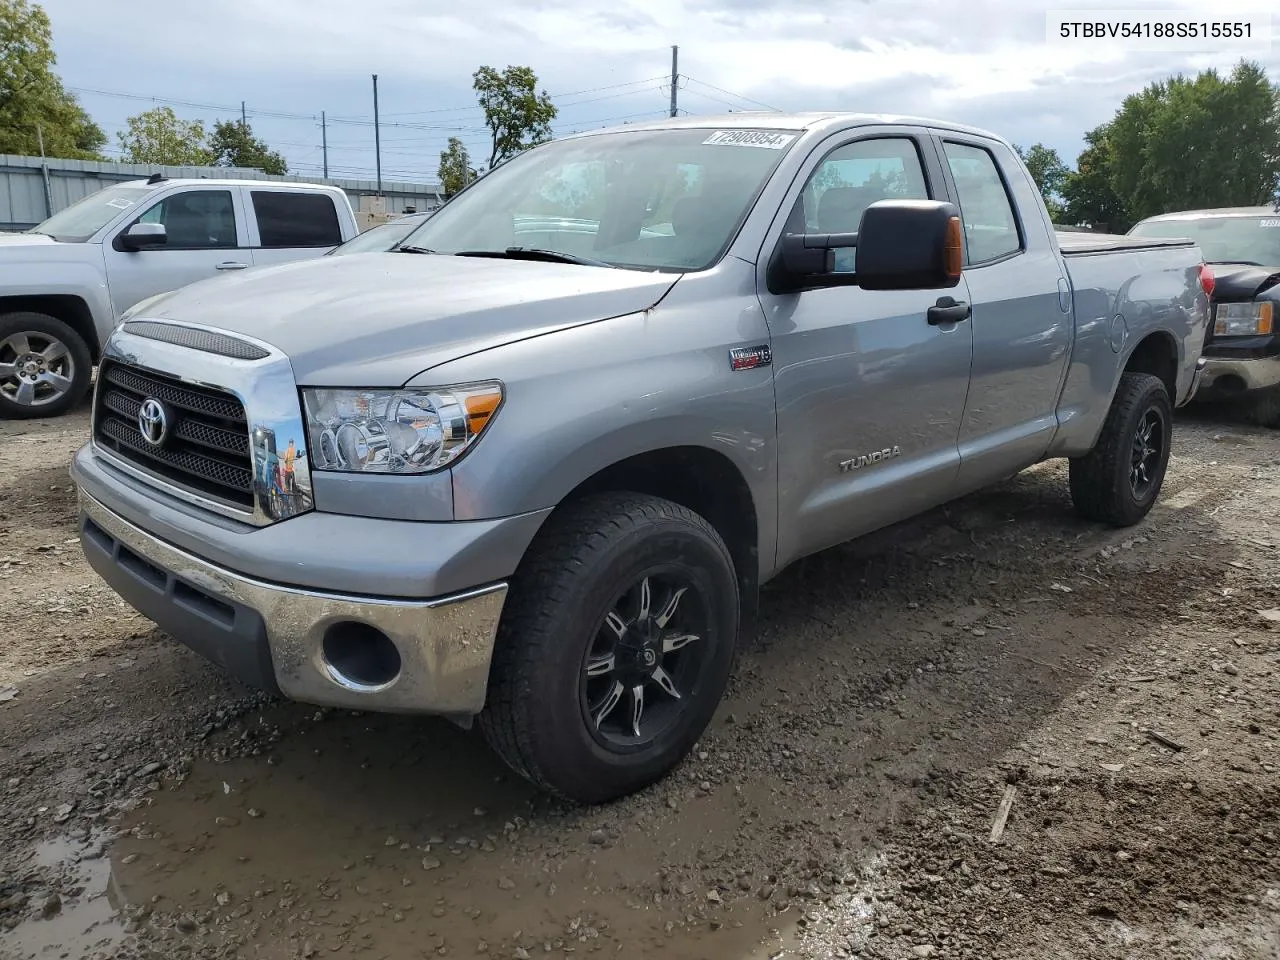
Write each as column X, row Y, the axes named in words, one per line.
column 984, row 62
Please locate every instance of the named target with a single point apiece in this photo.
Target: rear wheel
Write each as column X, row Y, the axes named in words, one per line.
column 44, row 366
column 1119, row 480
column 615, row 647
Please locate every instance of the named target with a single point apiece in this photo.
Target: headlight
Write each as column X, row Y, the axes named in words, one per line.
column 1243, row 319
column 397, row 431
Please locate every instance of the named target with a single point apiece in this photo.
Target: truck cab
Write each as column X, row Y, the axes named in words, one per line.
column 65, row 283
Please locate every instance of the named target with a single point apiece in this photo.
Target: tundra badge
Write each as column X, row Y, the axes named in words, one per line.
column 870, row 459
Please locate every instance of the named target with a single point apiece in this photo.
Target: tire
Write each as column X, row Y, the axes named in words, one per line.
column 45, row 366
column 548, row 681
column 1263, row 409
column 1104, row 485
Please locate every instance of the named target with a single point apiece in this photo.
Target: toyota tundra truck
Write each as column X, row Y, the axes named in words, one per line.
column 537, row 478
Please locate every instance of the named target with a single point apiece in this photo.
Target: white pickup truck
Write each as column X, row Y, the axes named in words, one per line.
column 65, row 283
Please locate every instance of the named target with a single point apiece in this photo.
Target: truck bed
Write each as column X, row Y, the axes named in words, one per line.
column 1075, row 244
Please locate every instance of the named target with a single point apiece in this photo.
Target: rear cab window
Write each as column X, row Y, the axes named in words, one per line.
column 990, row 224
column 296, row 219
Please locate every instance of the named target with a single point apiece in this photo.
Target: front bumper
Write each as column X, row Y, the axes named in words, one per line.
column 1231, row 377
column 281, row 638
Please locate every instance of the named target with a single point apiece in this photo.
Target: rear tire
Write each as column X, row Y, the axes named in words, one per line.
column 591, row 620
column 1118, row 482
column 45, row 366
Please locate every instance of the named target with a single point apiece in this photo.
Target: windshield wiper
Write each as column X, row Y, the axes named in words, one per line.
column 534, row 253
column 410, row 248
column 1251, row 263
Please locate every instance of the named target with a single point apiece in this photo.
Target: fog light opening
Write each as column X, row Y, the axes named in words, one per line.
column 359, row 657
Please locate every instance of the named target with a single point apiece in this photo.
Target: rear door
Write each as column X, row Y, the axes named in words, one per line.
column 206, row 234
column 290, row 225
column 1021, row 323
column 869, row 392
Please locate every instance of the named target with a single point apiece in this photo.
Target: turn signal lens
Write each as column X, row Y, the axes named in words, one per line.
column 953, row 249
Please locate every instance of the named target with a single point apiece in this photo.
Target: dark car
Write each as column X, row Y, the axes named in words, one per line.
column 1242, row 347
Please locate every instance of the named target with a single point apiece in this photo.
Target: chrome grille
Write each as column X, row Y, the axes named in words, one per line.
column 207, row 444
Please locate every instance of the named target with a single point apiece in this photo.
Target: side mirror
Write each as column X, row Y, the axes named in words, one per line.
column 900, row 245
column 142, row 236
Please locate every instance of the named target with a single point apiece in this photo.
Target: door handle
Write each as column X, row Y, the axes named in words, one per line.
column 948, row 310
column 231, row 265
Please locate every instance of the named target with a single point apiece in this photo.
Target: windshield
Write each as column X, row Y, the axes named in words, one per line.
column 383, row 237
column 80, row 221
column 651, row 200
column 1224, row 239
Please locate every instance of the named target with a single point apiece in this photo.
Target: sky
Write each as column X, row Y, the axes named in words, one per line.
column 987, row 63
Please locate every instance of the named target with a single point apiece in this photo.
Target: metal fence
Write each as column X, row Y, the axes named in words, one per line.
column 32, row 189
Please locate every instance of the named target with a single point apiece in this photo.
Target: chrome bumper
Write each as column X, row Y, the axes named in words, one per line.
column 442, row 646
column 1230, row 376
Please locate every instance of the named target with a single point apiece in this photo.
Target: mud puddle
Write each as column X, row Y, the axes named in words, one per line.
column 349, row 833
column 82, row 917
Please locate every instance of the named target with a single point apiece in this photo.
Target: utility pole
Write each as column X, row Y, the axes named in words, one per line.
column 377, row 134
column 324, row 143
column 44, row 173
column 675, row 78
column 244, row 117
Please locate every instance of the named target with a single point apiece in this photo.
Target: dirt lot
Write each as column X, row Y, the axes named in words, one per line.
column 1126, row 685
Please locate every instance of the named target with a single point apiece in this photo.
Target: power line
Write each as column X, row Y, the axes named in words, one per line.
column 712, row 86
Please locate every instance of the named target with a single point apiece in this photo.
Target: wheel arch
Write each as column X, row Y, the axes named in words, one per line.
column 1156, row 354
column 69, row 308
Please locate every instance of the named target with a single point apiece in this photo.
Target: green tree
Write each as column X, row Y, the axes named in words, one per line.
column 33, row 103
column 1049, row 173
column 159, row 136
column 233, row 144
column 518, row 117
column 455, row 170
column 1182, row 143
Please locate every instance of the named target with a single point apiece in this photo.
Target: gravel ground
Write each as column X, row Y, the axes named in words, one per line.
column 1120, row 688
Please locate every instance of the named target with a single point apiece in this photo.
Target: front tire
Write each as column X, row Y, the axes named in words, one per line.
column 44, row 366
column 1263, row 410
column 615, row 647
column 1119, row 480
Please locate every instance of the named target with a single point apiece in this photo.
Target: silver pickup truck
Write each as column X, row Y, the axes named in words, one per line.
column 542, row 482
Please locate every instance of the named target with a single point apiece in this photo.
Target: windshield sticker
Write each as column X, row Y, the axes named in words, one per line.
column 751, row 138
column 1270, row 223
column 120, row 203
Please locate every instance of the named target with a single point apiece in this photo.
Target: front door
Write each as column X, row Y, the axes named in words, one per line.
column 870, row 394
column 205, row 235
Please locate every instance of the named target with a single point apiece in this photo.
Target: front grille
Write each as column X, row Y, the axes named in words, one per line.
column 207, row 447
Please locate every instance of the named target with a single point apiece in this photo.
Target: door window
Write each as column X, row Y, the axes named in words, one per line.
column 851, row 178
column 990, row 228
column 296, row 219
column 195, row 220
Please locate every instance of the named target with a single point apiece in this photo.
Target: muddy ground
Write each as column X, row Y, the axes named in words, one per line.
column 1123, row 688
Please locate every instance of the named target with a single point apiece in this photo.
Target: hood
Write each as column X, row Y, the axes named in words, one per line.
column 377, row 319
column 1233, row 282
column 25, row 239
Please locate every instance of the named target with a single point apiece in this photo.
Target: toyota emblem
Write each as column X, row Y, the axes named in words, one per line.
column 153, row 421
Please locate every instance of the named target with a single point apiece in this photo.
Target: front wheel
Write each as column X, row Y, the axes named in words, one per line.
column 1118, row 481
column 44, row 366
column 1263, row 409
column 615, row 647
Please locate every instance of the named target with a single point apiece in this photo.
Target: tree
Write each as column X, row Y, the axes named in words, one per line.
column 34, row 106
column 1049, row 173
column 233, row 144
column 1088, row 196
column 455, row 170
column 517, row 116
column 159, row 136
column 1184, row 144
